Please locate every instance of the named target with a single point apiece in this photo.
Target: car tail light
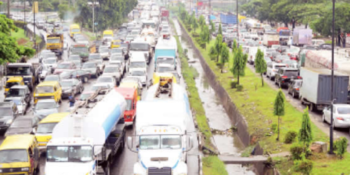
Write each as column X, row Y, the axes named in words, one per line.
column 284, row 77
column 297, row 89
column 299, row 77
column 340, row 118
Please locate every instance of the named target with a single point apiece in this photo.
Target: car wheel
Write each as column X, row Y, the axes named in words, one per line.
column 311, row 107
column 293, row 94
column 323, row 118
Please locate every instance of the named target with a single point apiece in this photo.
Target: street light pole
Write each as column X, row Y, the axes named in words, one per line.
column 237, row 24
column 332, row 87
column 24, row 11
column 93, row 17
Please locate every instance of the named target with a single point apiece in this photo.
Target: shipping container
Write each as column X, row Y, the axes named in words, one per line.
column 302, row 37
column 228, row 18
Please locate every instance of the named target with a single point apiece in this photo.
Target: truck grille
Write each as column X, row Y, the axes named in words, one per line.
column 159, row 171
column 11, row 170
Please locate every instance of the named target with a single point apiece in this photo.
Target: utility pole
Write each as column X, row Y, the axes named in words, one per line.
column 24, row 11
column 237, row 23
column 34, row 11
column 8, row 8
column 332, row 87
column 93, row 14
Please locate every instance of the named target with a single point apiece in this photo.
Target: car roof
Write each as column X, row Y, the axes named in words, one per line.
column 48, row 83
column 53, row 118
column 46, row 100
column 22, row 141
column 127, row 92
column 15, row 79
column 342, row 105
column 19, row 87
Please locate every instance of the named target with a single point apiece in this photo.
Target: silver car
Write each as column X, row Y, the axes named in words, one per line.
column 341, row 117
column 114, row 71
column 71, row 86
column 45, row 107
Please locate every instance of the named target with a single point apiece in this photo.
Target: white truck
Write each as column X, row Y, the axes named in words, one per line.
column 140, row 45
column 86, row 143
column 270, row 38
column 161, row 136
column 252, row 54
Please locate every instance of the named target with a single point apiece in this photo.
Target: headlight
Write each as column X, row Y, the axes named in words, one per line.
column 9, row 121
column 0, row 171
column 24, row 169
column 68, row 90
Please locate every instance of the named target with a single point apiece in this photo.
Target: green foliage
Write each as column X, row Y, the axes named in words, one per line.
column 212, row 53
column 62, row 9
column 218, row 46
column 234, row 46
column 212, row 27
column 296, row 150
column 233, row 84
column 303, row 166
column 220, row 30
column 290, row 137
column 213, row 166
column 260, row 64
column 278, row 109
column 201, row 22
column 194, row 23
column 274, row 128
column 45, row 5
column 239, row 63
column 305, row 132
column 239, row 87
column 10, row 51
column 341, row 145
column 224, row 57
column 205, row 34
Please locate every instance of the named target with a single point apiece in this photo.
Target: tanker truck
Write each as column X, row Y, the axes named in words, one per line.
column 161, row 136
column 87, row 141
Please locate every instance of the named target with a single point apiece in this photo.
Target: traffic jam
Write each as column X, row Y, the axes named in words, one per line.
column 71, row 108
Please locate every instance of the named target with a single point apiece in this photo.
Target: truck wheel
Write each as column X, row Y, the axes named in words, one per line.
column 312, row 107
column 323, row 118
column 107, row 169
column 293, row 94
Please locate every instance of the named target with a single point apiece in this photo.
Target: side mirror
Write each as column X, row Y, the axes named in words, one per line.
column 33, row 131
column 190, row 144
column 130, row 145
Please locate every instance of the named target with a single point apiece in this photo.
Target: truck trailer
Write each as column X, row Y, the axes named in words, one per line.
column 86, row 142
column 302, row 37
column 270, row 38
column 316, row 88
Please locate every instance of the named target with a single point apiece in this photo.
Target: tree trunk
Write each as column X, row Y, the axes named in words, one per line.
column 238, row 77
column 262, row 79
column 217, row 58
column 286, row 24
column 278, row 128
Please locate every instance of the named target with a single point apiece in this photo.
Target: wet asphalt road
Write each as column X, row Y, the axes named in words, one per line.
column 123, row 163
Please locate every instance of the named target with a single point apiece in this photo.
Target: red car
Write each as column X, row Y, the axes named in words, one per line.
column 64, row 66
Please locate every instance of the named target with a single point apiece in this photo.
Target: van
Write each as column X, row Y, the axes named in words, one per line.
column 131, row 97
column 48, row 90
column 135, row 85
column 74, row 29
column 116, row 43
column 137, row 62
column 45, row 127
column 12, row 81
column 19, row 154
column 107, row 34
column 272, row 69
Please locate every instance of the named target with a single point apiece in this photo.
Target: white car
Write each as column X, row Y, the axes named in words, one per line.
column 272, row 69
column 341, row 117
column 114, row 71
column 50, row 62
column 104, row 52
column 140, row 74
column 118, row 59
column 107, row 80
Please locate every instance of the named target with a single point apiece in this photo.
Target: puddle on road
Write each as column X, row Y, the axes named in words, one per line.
column 216, row 114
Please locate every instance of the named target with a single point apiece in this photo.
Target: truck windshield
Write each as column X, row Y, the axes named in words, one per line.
column 69, row 154
column 45, row 128
column 53, row 40
column 160, row 142
column 164, row 69
column 80, row 50
column 16, row 93
column 18, row 71
column 10, row 84
column 13, row 155
column 290, row 73
column 45, row 105
column 139, row 47
column 44, row 89
column 137, row 64
column 165, row 60
column 128, row 104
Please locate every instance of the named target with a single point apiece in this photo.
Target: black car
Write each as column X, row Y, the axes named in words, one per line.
column 82, row 75
column 24, row 125
column 8, row 113
column 284, row 76
column 325, row 47
column 294, row 87
column 282, row 49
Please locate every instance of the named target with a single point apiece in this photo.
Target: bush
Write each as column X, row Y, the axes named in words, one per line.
column 233, row 84
column 304, row 166
column 296, row 150
column 194, row 34
column 203, row 45
column 340, row 146
column 20, row 24
column 274, row 128
column 239, row 87
column 290, row 137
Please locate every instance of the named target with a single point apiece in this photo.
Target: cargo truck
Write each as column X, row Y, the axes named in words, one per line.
column 55, row 43
column 302, row 37
column 164, row 15
column 316, row 88
column 29, row 72
column 270, row 39
column 161, row 137
column 87, row 141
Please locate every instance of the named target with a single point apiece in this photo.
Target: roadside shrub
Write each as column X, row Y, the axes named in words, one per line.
column 233, row 84
column 290, row 137
column 194, row 34
column 340, row 146
column 240, row 87
column 20, row 24
column 274, row 128
column 296, row 150
column 303, row 166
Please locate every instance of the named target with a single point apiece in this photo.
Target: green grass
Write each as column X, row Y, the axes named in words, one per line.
column 212, row 165
column 255, row 103
column 22, row 39
column 91, row 36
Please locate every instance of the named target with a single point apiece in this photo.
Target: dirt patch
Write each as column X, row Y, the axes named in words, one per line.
column 22, row 41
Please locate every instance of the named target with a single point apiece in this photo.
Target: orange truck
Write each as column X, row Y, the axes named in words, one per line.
column 130, row 95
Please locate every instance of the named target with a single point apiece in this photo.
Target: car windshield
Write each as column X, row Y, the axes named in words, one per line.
column 164, row 69
column 110, row 69
column 69, row 153
column 79, row 50
column 53, row 40
column 74, row 57
column 10, row 84
column 63, row 66
column 94, row 57
column 52, row 78
column 13, row 155
column 148, row 25
column 89, row 65
column 49, row 61
column 128, row 104
column 137, row 64
column 165, row 60
column 160, row 142
column 279, row 66
column 18, row 71
column 66, row 75
column 66, row 83
column 137, row 73
column 22, row 123
column 15, row 92
column 343, row 110
column 105, row 80
column 45, row 128
column 116, row 50
column 85, row 96
column 75, row 30
column 5, row 112
column 45, row 105
column 103, row 49
column 117, row 58
column 139, row 46
column 44, row 89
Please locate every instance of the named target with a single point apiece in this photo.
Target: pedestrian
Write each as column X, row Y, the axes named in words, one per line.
column 71, row 100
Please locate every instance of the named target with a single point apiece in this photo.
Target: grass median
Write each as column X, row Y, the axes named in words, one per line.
column 255, row 103
column 22, row 39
